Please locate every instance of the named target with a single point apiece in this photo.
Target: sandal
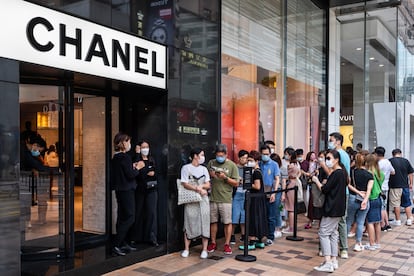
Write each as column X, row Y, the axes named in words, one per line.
column 308, row 226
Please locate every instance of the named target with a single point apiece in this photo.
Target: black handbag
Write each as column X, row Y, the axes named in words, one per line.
column 152, row 184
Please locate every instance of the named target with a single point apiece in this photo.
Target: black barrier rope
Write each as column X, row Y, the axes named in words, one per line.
column 250, row 258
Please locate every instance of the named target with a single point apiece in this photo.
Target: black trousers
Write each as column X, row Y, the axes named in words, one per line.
column 146, row 218
column 126, row 215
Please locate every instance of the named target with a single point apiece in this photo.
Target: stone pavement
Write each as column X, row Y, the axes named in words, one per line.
column 285, row 257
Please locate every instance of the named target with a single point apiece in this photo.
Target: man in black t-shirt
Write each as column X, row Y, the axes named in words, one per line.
column 400, row 185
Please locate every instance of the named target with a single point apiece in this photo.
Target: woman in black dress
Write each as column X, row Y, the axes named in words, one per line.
column 258, row 227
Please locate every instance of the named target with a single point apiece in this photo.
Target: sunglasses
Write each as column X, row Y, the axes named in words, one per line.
column 328, row 158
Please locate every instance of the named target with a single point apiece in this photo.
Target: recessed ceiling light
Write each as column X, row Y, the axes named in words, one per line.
column 358, row 49
column 381, row 65
column 371, row 58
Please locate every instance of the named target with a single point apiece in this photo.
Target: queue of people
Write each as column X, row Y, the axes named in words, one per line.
column 348, row 192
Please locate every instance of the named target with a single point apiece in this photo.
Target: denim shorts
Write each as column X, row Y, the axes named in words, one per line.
column 405, row 198
column 237, row 209
column 374, row 213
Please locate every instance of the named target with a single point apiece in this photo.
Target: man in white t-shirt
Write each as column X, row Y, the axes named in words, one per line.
column 386, row 167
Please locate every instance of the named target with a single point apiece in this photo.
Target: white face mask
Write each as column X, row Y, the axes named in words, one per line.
column 251, row 164
column 128, row 147
column 272, row 150
column 145, row 151
column 202, row 160
column 321, row 159
column 329, row 163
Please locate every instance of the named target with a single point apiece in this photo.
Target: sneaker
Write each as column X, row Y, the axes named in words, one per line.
column 384, row 228
column 287, row 231
column 335, row 264
column 377, row 245
column 365, row 234
column 325, row 267
column 396, row 222
column 277, row 234
column 308, row 226
column 269, row 242
column 344, row 254
column 320, row 254
column 389, row 228
column 358, row 247
column 227, row 249
column 351, row 234
column 242, row 238
column 370, row 247
column 249, row 247
column 118, row 251
column 204, row 254
column 259, row 245
column 409, row 222
column 232, row 239
column 211, row 247
column 185, row 253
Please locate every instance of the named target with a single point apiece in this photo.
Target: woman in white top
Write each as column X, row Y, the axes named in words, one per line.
column 195, row 177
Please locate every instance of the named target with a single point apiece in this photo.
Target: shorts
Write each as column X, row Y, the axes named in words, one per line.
column 395, row 197
column 384, row 201
column 405, row 198
column 374, row 212
column 220, row 209
column 238, row 215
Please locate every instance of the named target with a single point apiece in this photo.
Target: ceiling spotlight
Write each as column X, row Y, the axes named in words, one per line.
column 358, row 49
column 381, row 65
column 371, row 58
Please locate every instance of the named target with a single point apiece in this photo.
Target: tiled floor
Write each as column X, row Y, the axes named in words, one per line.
column 285, row 257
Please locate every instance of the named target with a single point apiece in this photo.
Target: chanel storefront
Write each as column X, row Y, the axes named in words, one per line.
column 75, row 73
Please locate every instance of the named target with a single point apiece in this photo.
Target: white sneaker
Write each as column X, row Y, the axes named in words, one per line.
column 396, row 222
column 185, row 253
column 351, row 234
column 335, row 264
column 325, row 267
column 358, row 247
column 278, row 234
column 344, row 254
column 287, row 231
column 370, row 247
column 409, row 222
column 204, row 254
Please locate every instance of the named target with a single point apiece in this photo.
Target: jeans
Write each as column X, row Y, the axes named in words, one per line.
column 355, row 214
column 271, row 220
column 278, row 215
column 237, row 213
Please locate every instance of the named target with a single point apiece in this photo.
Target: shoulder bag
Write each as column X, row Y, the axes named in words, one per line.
column 186, row 196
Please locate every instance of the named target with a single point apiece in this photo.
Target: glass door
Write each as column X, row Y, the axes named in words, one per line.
column 41, row 188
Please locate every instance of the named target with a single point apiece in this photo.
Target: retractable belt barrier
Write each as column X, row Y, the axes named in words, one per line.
column 250, row 258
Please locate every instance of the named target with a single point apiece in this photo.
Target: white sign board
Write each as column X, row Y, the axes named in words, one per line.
column 39, row 35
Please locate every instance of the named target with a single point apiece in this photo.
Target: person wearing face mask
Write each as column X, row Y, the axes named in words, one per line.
column 335, row 142
column 287, row 153
column 258, row 223
column 146, row 198
column 195, row 177
column 32, row 165
column 238, row 212
column 224, row 176
column 333, row 209
column 123, row 173
column 271, row 145
column 271, row 182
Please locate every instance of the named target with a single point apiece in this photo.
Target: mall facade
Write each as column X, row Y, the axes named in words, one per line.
column 179, row 74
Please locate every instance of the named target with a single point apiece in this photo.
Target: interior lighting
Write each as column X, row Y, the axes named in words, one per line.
column 358, row 49
column 371, row 58
column 381, row 65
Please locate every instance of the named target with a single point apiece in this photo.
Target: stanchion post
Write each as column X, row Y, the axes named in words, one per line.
column 295, row 219
column 246, row 257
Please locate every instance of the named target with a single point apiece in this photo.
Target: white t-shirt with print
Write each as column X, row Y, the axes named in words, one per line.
column 386, row 167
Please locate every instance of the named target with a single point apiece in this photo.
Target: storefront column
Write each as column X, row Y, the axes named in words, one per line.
column 9, row 168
